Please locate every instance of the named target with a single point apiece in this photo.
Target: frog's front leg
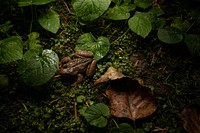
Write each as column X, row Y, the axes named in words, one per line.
column 91, row 68
column 79, row 79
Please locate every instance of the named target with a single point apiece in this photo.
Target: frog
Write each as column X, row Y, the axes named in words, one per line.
column 78, row 64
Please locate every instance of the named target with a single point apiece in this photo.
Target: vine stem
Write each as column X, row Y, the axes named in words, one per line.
column 121, row 36
column 31, row 25
column 115, row 122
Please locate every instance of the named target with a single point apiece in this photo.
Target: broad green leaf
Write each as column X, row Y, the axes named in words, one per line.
column 38, row 66
column 182, row 25
column 88, row 42
column 143, row 3
column 97, row 115
column 156, row 21
column 170, row 35
column 140, row 24
column 120, row 12
column 11, row 49
column 33, row 40
column 50, row 21
column 23, row 3
column 5, row 27
column 123, row 128
column 193, row 43
column 88, row 10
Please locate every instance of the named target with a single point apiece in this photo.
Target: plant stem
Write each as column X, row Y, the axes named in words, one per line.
column 121, row 36
column 115, row 122
column 31, row 19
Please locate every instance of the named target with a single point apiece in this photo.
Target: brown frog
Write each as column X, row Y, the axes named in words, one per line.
column 84, row 63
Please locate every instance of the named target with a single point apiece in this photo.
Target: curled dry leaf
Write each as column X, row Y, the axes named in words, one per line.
column 128, row 98
column 191, row 118
column 110, row 74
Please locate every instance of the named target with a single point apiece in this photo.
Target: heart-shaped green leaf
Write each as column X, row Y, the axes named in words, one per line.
column 140, row 24
column 38, row 66
column 97, row 115
column 170, row 35
column 50, row 21
column 123, row 128
column 120, row 12
column 11, row 49
column 88, row 42
column 88, row 10
column 23, row 3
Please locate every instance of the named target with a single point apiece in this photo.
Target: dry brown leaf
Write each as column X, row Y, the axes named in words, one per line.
column 128, row 98
column 110, row 74
column 191, row 118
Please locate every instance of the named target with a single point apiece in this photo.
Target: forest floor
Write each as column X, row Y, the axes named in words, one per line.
column 168, row 69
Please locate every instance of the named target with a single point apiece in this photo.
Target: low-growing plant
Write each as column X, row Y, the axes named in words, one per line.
column 36, row 66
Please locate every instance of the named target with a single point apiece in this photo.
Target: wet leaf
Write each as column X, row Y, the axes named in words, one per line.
column 11, row 49
column 128, row 98
column 50, row 21
column 38, row 66
column 143, row 3
column 99, row 46
column 191, row 118
column 88, row 10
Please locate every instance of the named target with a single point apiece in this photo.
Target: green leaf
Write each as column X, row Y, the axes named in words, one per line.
column 23, row 3
column 50, row 21
column 88, row 42
column 38, row 66
column 170, row 35
column 88, row 10
column 182, row 25
column 11, row 49
column 97, row 115
column 193, row 43
column 140, row 24
column 5, row 27
column 143, row 3
column 123, row 128
column 33, row 40
column 120, row 12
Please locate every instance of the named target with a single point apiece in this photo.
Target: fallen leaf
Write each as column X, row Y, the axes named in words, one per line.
column 128, row 98
column 191, row 118
column 110, row 74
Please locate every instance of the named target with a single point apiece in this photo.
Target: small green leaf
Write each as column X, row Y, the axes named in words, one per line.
column 11, row 49
column 120, row 12
column 140, row 24
column 5, row 27
column 50, row 21
column 123, row 128
column 143, row 3
column 38, row 66
column 88, row 10
column 33, row 40
column 193, row 43
column 97, row 115
column 23, row 3
column 80, row 99
column 170, row 35
column 88, row 42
